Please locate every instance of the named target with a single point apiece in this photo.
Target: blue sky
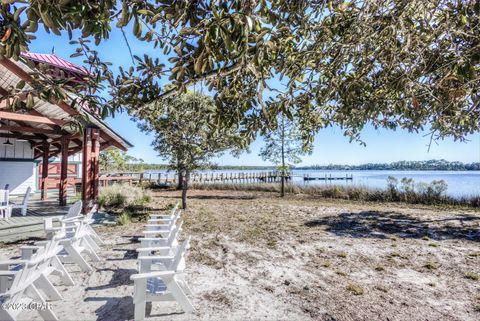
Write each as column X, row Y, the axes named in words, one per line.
column 330, row 146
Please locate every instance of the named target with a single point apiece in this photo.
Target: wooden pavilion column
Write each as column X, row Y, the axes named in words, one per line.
column 63, row 172
column 90, row 156
column 43, row 182
column 95, row 162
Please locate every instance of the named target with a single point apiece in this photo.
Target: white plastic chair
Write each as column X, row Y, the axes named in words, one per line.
column 5, row 208
column 25, row 285
column 162, row 246
column 23, row 206
column 166, row 285
column 156, row 229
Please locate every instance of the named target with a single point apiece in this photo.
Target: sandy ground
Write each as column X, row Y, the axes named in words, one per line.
column 259, row 257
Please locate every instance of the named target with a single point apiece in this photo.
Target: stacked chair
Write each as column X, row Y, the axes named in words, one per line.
column 27, row 280
column 161, row 264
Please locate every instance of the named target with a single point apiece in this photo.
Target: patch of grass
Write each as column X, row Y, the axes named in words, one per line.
column 394, row 254
column 341, row 273
column 326, row 264
column 472, row 276
column 342, row 255
column 120, row 196
column 272, row 243
column 433, row 244
column 355, row 289
column 382, row 288
column 430, row 266
column 428, row 195
column 474, row 254
column 426, row 238
column 379, row 268
column 124, row 218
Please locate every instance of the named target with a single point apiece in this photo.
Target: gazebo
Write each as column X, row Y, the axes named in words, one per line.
column 28, row 135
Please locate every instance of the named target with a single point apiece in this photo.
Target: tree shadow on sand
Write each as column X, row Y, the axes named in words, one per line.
column 129, row 254
column 120, row 277
column 122, row 308
column 378, row 224
column 115, row 308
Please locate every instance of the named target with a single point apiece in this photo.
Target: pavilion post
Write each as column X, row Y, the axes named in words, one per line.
column 90, row 167
column 86, row 168
column 64, row 172
column 95, row 162
column 43, row 181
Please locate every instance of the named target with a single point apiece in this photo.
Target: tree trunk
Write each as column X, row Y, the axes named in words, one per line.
column 186, row 178
column 180, row 180
column 282, row 190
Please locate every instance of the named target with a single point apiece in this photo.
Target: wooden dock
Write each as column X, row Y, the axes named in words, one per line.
column 207, row 178
column 327, row 178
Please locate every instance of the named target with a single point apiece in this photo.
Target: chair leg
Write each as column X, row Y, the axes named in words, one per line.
column 92, row 243
column 66, row 278
column 95, row 236
column 77, row 258
column 139, row 299
column 47, row 287
column 46, row 314
column 90, row 251
column 6, row 316
column 180, row 296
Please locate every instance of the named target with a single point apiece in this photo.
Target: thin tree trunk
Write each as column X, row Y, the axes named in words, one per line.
column 180, row 180
column 180, row 170
column 186, row 178
column 282, row 191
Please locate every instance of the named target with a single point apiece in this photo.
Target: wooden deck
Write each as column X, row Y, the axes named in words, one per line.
column 20, row 227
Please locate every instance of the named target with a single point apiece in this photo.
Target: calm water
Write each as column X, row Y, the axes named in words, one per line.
column 460, row 183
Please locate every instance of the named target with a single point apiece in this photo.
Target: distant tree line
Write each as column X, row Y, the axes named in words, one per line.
column 429, row 165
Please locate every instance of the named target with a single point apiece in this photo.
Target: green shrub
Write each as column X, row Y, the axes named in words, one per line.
column 122, row 196
column 124, row 218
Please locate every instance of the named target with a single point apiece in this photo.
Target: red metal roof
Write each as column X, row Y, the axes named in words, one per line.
column 54, row 60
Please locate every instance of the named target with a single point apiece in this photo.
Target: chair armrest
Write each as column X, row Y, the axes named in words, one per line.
column 30, row 247
column 153, row 239
column 155, row 232
column 155, row 248
column 72, row 219
column 8, row 273
column 157, row 225
column 51, row 229
column 161, row 216
column 6, row 263
column 166, row 219
column 155, row 257
column 154, row 274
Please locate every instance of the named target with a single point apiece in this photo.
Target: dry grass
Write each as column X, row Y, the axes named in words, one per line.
column 398, row 261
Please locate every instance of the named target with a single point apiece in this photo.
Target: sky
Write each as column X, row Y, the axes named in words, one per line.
column 330, row 145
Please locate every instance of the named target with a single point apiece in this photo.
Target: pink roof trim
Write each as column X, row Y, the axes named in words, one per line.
column 54, row 60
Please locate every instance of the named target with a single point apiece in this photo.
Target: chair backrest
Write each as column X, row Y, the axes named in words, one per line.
column 178, row 263
column 25, row 277
column 92, row 211
column 26, row 197
column 175, row 219
column 173, row 235
column 4, row 193
column 74, row 210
